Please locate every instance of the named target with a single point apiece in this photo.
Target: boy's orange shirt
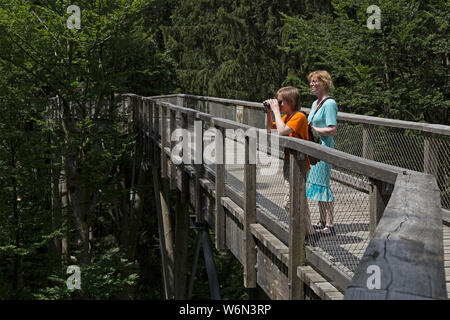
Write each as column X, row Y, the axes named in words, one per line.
column 299, row 125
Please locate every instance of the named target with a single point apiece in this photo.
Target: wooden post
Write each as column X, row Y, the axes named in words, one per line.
column 198, row 164
column 163, row 142
column 140, row 122
column 180, row 101
column 429, row 155
column 150, row 127
column 182, row 229
column 156, row 121
column 173, row 171
column 367, row 143
column 220, row 189
column 297, row 223
column 144, row 128
column 249, row 218
column 378, row 198
column 168, row 284
column 164, row 198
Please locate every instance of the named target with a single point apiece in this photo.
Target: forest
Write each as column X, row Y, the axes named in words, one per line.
column 65, row 187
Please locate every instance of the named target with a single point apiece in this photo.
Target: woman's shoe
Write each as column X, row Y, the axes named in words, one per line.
column 328, row 230
column 319, row 225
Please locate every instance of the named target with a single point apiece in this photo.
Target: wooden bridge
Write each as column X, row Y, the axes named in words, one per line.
column 391, row 217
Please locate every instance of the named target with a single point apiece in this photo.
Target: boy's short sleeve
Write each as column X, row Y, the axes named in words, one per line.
column 299, row 125
column 282, row 119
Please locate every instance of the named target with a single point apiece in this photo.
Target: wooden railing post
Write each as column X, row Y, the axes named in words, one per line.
column 297, row 223
column 220, row 188
column 173, row 170
column 429, row 155
column 198, row 165
column 379, row 195
column 156, row 120
column 140, row 122
column 368, row 148
column 161, row 210
column 163, row 142
column 180, row 101
column 249, row 213
column 182, row 228
column 145, row 128
column 150, row 126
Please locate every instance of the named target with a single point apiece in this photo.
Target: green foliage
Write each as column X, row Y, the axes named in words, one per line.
column 229, row 273
column 40, row 57
column 104, row 279
column 228, row 48
column 396, row 72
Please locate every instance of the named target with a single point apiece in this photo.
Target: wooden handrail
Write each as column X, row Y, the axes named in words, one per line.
column 343, row 116
column 369, row 168
column 404, row 259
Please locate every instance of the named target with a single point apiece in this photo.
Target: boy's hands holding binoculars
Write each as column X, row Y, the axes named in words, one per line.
column 272, row 104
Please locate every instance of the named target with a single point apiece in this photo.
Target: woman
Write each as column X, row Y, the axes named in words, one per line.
column 323, row 120
column 292, row 124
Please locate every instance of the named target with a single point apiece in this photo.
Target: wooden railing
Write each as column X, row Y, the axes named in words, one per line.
column 426, row 146
column 411, row 215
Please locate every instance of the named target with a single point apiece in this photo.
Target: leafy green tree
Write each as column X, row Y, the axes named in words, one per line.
column 70, row 173
column 230, row 48
column 398, row 71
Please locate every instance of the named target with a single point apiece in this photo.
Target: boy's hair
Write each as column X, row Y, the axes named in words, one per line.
column 323, row 76
column 291, row 95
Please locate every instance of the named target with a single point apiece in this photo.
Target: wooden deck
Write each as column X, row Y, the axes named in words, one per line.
column 446, row 232
column 343, row 251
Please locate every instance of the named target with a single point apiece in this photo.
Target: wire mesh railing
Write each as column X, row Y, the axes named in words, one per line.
column 405, row 148
column 412, row 146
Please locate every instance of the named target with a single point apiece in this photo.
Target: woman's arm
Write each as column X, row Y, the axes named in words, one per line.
column 330, row 119
column 329, row 131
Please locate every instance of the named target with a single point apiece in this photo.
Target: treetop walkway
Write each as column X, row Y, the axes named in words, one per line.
column 390, row 179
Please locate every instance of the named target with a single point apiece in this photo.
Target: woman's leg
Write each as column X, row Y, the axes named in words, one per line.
column 326, row 212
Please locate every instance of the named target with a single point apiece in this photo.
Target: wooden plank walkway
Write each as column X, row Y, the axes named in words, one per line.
column 446, row 234
column 342, row 251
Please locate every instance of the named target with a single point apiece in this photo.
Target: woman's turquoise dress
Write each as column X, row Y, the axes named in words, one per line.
column 318, row 182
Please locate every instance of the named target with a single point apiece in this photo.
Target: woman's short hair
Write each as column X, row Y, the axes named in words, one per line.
column 323, row 76
column 290, row 95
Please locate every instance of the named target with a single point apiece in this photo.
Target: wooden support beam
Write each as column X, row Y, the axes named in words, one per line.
column 220, row 189
column 173, row 172
column 144, row 129
column 249, row 216
column 429, row 155
column 297, row 223
column 168, row 230
column 379, row 196
column 168, row 285
column 198, row 165
column 318, row 284
column 181, row 236
column 163, row 142
column 367, row 143
column 156, row 121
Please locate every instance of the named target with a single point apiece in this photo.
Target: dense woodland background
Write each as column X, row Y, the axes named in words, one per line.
column 232, row 49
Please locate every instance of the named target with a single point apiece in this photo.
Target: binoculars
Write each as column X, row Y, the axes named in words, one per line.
column 267, row 105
